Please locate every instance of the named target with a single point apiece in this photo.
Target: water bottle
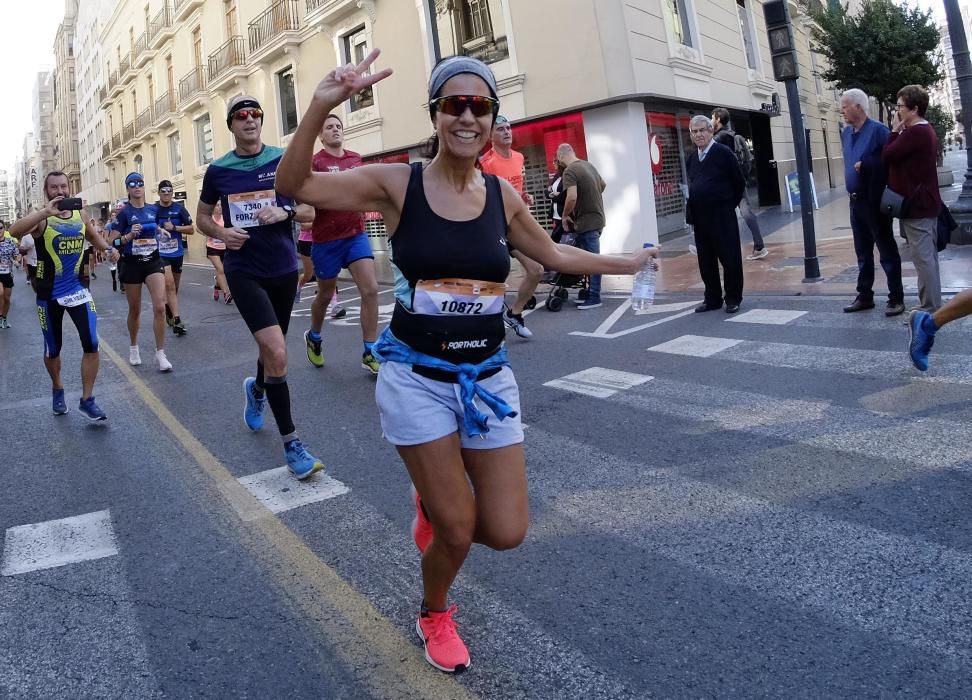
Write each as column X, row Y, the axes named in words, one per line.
column 643, row 287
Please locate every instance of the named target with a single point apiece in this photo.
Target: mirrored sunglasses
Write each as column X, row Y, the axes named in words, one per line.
column 456, row 105
column 165, row 190
column 135, row 183
column 243, row 114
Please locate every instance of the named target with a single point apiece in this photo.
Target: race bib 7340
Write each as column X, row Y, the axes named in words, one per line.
column 244, row 207
column 458, row 297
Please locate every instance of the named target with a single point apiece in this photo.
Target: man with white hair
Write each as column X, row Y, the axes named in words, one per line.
column 865, row 177
column 715, row 186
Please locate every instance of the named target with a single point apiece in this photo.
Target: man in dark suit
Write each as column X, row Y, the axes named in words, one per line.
column 715, row 186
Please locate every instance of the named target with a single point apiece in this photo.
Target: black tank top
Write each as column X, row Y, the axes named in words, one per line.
column 428, row 247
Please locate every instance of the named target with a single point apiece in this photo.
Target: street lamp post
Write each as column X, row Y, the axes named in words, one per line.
column 962, row 208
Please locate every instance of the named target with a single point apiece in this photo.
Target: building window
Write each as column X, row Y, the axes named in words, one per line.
column 139, row 165
column 288, row 100
column 746, row 30
column 175, row 153
column 355, row 50
column 817, row 82
column 204, row 140
column 472, row 28
column 155, row 162
column 678, row 24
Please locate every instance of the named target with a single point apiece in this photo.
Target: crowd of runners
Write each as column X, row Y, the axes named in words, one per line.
column 276, row 222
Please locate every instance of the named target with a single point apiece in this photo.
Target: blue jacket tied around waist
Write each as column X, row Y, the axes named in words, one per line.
column 388, row 348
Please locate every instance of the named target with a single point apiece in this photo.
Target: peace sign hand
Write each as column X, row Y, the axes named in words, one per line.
column 344, row 81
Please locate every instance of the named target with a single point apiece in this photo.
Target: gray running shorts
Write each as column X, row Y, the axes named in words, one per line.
column 415, row 409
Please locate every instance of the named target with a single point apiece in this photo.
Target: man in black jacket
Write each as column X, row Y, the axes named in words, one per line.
column 715, row 186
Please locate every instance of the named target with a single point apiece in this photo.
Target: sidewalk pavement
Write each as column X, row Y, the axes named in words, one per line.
column 781, row 272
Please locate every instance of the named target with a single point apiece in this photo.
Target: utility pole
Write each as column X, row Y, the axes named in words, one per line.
column 786, row 69
column 962, row 208
column 434, row 31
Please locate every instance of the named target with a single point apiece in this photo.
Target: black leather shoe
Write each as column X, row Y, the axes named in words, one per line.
column 732, row 308
column 858, row 305
column 894, row 308
column 702, row 308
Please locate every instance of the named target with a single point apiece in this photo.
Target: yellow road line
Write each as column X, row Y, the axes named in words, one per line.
column 374, row 651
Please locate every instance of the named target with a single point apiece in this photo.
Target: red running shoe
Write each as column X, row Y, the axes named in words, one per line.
column 421, row 527
column 443, row 647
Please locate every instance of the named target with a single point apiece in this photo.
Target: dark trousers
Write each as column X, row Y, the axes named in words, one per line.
column 872, row 228
column 717, row 241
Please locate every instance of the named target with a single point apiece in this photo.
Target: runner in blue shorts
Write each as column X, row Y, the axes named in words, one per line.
column 339, row 242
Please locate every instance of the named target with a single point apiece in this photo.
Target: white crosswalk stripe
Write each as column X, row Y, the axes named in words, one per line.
column 872, row 363
column 56, row 543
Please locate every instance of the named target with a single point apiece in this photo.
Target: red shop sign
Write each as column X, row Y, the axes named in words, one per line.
column 655, row 153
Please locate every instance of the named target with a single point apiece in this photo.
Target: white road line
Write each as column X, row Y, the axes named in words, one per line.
column 279, row 491
column 772, row 317
column 341, row 301
column 695, row 346
column 598, row 382
column 58, row 543
column 885, row 364
column 642, row 327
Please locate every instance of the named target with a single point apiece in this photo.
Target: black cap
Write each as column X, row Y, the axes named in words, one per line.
column 165, row 183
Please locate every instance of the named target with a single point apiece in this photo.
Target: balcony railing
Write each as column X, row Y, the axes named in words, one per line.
column 105, row 149
column 102, row 95
column 192, row 84
column 112, row 81
column 116, row 141
column 183, row 7
column 314, row 4
column 128, row 132
column 280, row 17
column 143, row 121
column 160, row 27
column 164, row 106
column 140, row 45
column 227, row 56
column 124, row 65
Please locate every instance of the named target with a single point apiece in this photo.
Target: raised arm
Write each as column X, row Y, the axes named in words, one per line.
column 360, row 189
column 23, row 226
column 528, row 236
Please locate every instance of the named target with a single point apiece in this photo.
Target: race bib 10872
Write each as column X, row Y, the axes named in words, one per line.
column 458, row 297
column 244, row 207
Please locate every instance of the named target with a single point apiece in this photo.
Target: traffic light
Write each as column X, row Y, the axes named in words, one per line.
column 786, row 65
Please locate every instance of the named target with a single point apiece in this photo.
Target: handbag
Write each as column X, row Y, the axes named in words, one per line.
column 946, row 224
column 893, row 204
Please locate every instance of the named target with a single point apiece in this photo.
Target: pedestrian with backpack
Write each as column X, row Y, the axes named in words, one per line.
column 737, row 144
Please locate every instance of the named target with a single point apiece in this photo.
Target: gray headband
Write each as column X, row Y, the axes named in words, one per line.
column 457, row 65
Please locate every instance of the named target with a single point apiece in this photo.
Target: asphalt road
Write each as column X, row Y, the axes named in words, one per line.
column 770, row 505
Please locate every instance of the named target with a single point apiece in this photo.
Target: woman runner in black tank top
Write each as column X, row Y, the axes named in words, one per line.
column 448, row 225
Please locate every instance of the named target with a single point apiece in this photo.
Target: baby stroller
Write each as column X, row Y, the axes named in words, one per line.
column 561, row 282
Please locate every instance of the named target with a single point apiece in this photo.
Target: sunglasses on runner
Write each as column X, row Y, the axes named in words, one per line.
column 456, row 105
column 242, row 114
column 165, row 190
column 135, row 183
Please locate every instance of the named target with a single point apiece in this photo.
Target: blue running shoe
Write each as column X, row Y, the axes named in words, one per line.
column 301, row 463
column 253, row 412
column 89, row 409
column 922, row 339
column 59, row 405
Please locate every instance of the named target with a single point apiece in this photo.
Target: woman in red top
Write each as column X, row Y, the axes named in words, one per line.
column 911, row 155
